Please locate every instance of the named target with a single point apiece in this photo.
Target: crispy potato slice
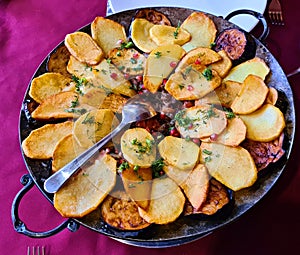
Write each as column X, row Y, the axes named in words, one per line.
column 200, row 121
column 138, row 147
column 232, row 166
column 196, row 186
column 42, row 141
column 176, row 174
column 107, row 33
column 199, row 56
column 272, row 96
column 160, row 63
column 137, row 183
column 46, row 85
column 178, row 152
column 251, row 96
column 82, row 46
column 140, row 35
column 113, row 102
column 265, row 124
column 84, row 191
column 128, row 61
column 120, row 211
column 65, row 151
column 58, row 60
column 192, row 83
column 255, row 66
column 153, row 16
column 202, row 29
column 222, row 66
column 167, row 202
column 92, row 126
column 163, row 34
column 59, row 106
column 233, row 135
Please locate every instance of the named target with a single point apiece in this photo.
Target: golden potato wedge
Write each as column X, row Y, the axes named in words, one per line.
column 138, row 147
column 128, row 61
column 196, row 186
column 84, row 192
column 163, row 34
column 198, row 56
column 265, row 124
column 58, row 106
column 251, row 96
column 58, row 60
column 178, row 152
column 272, row 96
column 140, row 34
column 107, row 33
column 193, row 82
column 202, row 29
column 222, row 66
column 93, row 126
column 82, row 46
column 200, row 121
column 137, row 182
column 232, row 135
column 160, row 63
column 232, row 166
column 167, row 202
column 46, row 85
column 120, row 211
column 42, row 141
column 255, row 66
column 65, row 151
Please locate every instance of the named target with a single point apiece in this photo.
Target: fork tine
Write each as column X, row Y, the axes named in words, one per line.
column 36, row 249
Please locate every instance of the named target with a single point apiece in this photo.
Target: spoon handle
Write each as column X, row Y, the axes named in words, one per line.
column 55, row 181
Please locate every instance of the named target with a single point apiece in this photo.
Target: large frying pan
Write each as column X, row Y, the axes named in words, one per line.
column 185, row 229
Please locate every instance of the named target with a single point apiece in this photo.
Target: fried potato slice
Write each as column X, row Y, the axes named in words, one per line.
column 196, row 186
column 92, row 126
column 163, row 34
column 140, row 35
column 198, row 56
column 176, row 174
column 202, row 29
column 265, row 124
column 84, row 191
column 222, row 95
column 107, row 33
column 128, row 61
column 255, row 66
column 65, row 151
column 120, row 211
column 200, row 121
column 232, row 166
column 113, row 102
column 42, row 141
column 178, row 152
column 222, row 66
column 167, row 202
column 46, row 85
column 137, row 182
column 160, row 63
column 82, row 46
column 138, row 147
column 232, row 135
column 58, row 60
column 251, row 96
column 272, row 96
column 193, row 82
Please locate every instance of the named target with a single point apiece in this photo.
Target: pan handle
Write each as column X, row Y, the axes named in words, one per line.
column 20, row 226
column 257, row 15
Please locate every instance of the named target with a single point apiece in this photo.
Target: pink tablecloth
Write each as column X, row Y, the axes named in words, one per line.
column 29, row 30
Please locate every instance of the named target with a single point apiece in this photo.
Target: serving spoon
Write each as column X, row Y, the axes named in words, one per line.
column 134, row 110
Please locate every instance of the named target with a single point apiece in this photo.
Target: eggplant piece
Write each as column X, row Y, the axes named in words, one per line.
column 239, row 45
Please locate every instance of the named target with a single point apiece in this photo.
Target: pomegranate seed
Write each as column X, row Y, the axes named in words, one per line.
column 107, row 150
column 214, row 137
column 188, row 104
column 119, row 42
column 164, row 81
column 139, row 78
column 173, row 64
column 126, row 75
column 162, row 115
column 190, row 126
column 114, row 76
column 196, row 141
column 190, row 88
column 198, row 61
column 174, row 132
column 136, row 55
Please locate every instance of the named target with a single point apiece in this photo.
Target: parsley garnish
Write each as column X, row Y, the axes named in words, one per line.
column 176, row 32
column 183, row 121
column 157, row 167
column 123, row 166
column 157, row 54
column 207, row 73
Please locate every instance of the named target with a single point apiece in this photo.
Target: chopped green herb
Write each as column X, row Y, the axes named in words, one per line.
column 133, row 61
column 181, row 86
column 75, row 102
column 212, row 45
column 119, row 53
column 136, row 168
column 229, row 114
column 207, row 159
column 157, row 167
column 123, row 166
column 109, row 60
column 79, row 82
column 88, row 119
column 207, row 152
column 157, row 54
column 126, row 45
column 183, row 121
column 207, row 73
column 176, row 32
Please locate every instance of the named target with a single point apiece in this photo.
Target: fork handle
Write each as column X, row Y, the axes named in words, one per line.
column 257, row 15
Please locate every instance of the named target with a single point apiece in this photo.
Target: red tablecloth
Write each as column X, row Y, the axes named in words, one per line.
column 29, row 30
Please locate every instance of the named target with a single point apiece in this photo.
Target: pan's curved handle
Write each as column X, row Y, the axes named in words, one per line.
column 257, row 15
column 20, row 226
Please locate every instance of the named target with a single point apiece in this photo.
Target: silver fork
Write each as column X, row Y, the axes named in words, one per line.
column 36, row 250
column 275, row 13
